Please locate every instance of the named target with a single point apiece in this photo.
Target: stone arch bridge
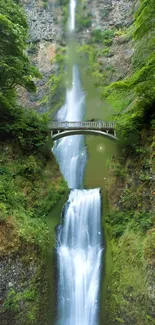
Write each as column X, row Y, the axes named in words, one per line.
column 64, row 129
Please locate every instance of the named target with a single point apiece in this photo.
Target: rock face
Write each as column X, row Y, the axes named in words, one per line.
column 117, row 16
column 43, row 22
column 19, row 287
column 45, row 34
column 44, row 53
column 111, row 13
column 14, row 278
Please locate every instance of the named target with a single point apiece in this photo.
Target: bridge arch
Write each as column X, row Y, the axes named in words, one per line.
column 66, row 133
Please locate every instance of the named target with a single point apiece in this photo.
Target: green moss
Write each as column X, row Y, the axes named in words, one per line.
column 119, row 99
column 128, row 284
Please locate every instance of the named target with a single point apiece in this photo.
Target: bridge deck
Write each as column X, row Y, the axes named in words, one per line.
column 99, row 125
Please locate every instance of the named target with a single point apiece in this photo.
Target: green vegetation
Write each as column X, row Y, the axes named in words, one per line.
column 104, row 37
column 130, row 225
column 134, row 96
column 82, row 22
column 31, row 183
column 32, row 48
column 131, row 221
column 45, row 4
column 95, row 58
column 141, row 83
column 63, row 2
column 83, row 16
column 130, row 284
column 65, row 9
column 25, row 303
column 15, row 68
column 56, row 85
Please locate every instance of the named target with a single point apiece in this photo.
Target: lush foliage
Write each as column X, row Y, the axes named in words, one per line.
column 15, row 68
column 31, row 185
column 144, row 19
column 131, row 282
column 26, row 127
column 141, row 83
column 130, row 224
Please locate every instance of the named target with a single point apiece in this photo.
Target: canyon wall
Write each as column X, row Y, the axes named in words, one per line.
column 47, row 22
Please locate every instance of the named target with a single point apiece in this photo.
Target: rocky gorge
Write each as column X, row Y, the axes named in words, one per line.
column 47, row 35
column 105, row 40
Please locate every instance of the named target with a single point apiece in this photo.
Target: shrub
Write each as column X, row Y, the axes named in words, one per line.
column 83, row 22
column 105, row 36
column 27, row 127
column 149, row 247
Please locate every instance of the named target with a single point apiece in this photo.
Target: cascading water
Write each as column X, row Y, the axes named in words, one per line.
column 79, row 254
column 70, row 151
column 79, row 248
column 72, row 7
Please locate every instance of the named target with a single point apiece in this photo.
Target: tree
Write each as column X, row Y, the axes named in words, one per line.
column 15, row 68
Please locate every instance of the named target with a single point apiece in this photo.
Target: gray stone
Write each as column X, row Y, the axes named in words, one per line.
column 10, row 284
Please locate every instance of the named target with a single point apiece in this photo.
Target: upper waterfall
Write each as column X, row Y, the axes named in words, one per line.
column 70, row 151
column 72, row 8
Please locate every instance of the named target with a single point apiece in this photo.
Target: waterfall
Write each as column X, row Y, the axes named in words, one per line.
column 79, row 247
column 70, row 152
column 72, row 7
column 79, row 255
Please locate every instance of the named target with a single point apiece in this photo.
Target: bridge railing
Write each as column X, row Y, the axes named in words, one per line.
column 56, row 125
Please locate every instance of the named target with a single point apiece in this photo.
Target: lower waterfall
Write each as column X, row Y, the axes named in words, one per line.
column 79, row 252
